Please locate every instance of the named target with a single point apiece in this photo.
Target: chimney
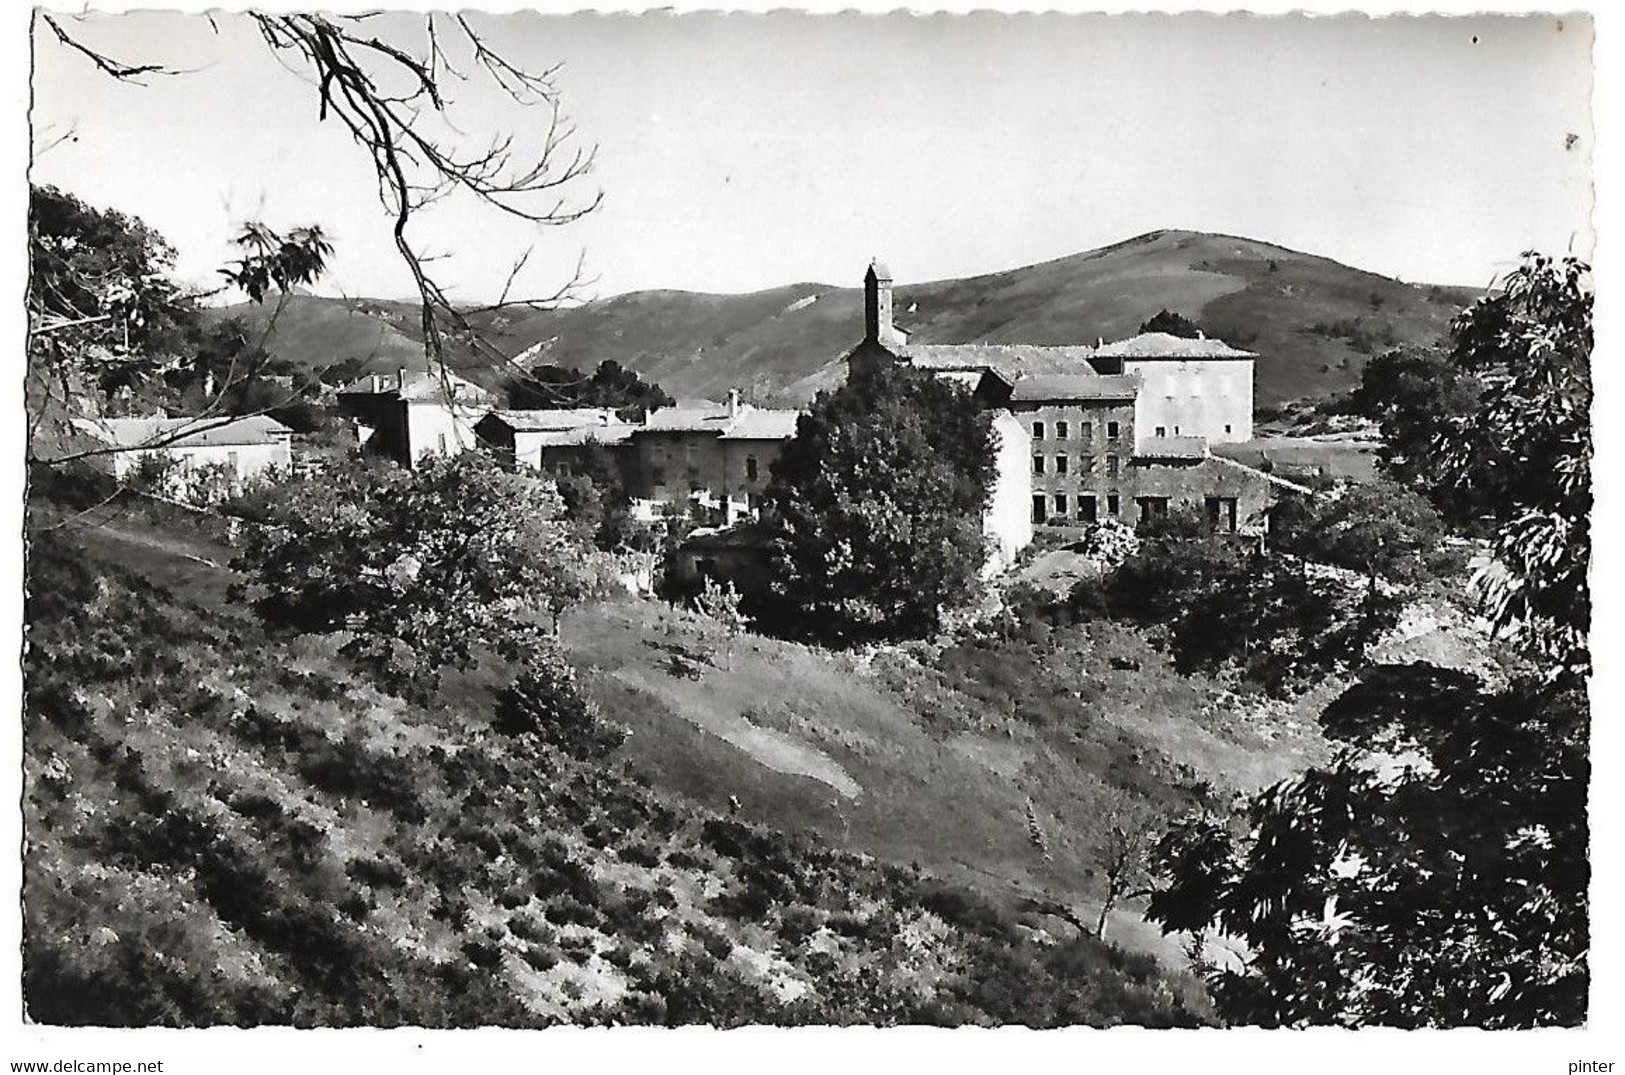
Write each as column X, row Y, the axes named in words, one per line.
column 400, row 379
column 733, row 403
column 1100, row 341
column 877, row 323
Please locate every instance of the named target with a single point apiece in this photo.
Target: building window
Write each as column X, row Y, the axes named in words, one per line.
column 1176, row 431
column 1227, row 427
column 1060, row 464
column 1086, row 464
column 1038, row 431
column 1086, row 508
column 750, row 468
column 443, row 444
column 1112, row 506
column 1060, row 504
column 1040, row 508
column 658, row 475
column 1111, row 466
column 1221, row 513
column 1162, row 431
column 231, row 463
column 1086, row 430
column 1111, row 430
column 1038, row 464
column 1060, row 430
column 1152, row 507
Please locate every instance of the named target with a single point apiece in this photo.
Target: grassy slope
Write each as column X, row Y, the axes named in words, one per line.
column 775, row 343
column 941, row 759
column 228, row 827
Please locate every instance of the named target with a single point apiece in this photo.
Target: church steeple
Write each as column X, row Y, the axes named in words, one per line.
column 877, row 311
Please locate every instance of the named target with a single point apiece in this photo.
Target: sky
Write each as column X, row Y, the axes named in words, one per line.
column 740, row 152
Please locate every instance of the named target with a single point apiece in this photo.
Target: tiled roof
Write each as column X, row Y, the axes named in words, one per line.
column 566, row 438
column 1171, row 448
column 748, row 423
column 1007, row 359
column 417, row 385
column 761, row 423
column 142, row 432
column 686, row 420
column 1070, row 386
column 563, row 418
column 1153, row 345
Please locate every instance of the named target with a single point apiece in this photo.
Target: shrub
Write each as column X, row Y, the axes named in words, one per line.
column 545, row 700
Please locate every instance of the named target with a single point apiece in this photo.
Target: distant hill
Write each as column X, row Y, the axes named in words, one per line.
column 1314, row 322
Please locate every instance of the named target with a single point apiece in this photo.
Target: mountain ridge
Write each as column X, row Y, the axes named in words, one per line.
column 1313, row 321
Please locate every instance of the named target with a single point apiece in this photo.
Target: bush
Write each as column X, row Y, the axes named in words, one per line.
column 546, row 701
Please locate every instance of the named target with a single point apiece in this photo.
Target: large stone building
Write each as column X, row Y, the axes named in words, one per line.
column 557, row 442
column 1187, row 387
column 410, row 414
column 721, row 455
column 706, row 459
column 1118, row 430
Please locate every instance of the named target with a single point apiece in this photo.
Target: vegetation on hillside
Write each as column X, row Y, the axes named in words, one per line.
column 611, row 385
column 1174, row 324
column 1435, row 874
column 874, row 511
column 423, row 570
column 227, row 826
column 1280, row 620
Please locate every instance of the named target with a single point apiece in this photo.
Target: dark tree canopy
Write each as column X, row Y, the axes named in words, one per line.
column 1175, row 324
column 109, row 330
column 875, row 508
column 1435, row 874
column 1381, row 529
column 423, row 569
column 1280, row 622
column 610, row 385
column 1415, row 394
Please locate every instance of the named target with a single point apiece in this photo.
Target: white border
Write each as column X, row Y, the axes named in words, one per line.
column 825, row 1050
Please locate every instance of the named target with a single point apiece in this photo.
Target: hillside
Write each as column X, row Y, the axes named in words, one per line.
column 226, row 826
column 1313, row 321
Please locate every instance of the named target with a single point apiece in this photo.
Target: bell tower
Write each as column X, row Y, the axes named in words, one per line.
column 877, row 313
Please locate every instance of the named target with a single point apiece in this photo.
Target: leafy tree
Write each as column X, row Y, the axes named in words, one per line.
column 1435, row 873
column 106, row 322
column 610, row 385
column 1175, row 324
column 1414, row 395
column 99, row 283
column 874, row 511
column 1529, row 440
column 440, row 562
column 596, row 498
column 1282, row 623
column 1380, row 529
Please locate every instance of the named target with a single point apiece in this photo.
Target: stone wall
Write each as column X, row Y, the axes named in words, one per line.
column 1083, row 465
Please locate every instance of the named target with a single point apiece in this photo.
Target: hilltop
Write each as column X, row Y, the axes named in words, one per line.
column 1314, row 322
